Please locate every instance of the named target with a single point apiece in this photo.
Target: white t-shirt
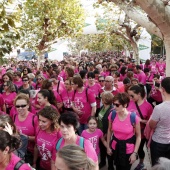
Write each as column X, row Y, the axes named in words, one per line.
column 161, row 114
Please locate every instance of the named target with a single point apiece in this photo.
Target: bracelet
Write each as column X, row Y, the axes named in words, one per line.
column 135, row 153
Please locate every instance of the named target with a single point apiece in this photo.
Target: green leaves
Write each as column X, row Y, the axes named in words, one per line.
column 8, row 32
column 45, row 21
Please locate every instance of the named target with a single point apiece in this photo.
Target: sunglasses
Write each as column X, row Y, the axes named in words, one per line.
column 101, row 80
column 116, row 104
column 39, row 79
column 5, row 85
column 107, row 81
column 25, row 80
column 25, row 70
column 22, row 106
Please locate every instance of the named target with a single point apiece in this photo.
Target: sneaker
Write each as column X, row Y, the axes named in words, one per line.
column 140, row 166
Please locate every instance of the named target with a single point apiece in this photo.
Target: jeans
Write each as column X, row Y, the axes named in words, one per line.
column 81, row 128
column 159, row 150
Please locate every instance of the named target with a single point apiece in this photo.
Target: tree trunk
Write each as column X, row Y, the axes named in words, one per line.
column 139, row 17
column 160, row 15
column 167, row 47
column 135, row 52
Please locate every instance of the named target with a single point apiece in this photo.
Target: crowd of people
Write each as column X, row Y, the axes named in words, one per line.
column 85, row 112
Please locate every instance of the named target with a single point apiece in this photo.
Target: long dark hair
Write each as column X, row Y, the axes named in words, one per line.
column 50, row 96
column 7, row 140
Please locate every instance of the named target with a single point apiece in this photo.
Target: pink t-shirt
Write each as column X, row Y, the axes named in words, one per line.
column 63, row 74
column 156, row 94
column 80, row 102
column 67, row 97
column 61, row 87
column 33, row 84
column 13, row 161
column 123, row 130
column 18, row 83
column 122, row 77
column 96, row 90
column 105, row 73
column 161, row 67
column 93, row 138
column 149, row 78
column 88, row 148
column 45, row 75
column 27, row 127
column 142, row 77
column 1, row 102
column 45, row 143
column 9, row 99
column 57, row 97
column 145, row 108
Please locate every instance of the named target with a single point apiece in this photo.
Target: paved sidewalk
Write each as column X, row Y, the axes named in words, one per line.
column 146, row 162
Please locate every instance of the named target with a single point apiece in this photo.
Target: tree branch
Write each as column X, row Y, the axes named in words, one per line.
column 136, row 15
column 118, row 32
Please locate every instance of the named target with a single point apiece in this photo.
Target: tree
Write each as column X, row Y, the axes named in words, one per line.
column 44, row 22
column 154, row 15
column 97, row 42
column 8, row 32
column 115, row 21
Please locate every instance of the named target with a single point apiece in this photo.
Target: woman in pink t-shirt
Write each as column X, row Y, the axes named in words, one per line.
column 68, row 122
column 8, row 144
column 26, row 123
column 125, row 143
column 84, row 102
column 9, row 95
column 39, row 80
column 67, row 95
column 17, row 79
column 95, row 89
column 48, row 84
column 143, row 109
column 45, row 98
column 47, row 135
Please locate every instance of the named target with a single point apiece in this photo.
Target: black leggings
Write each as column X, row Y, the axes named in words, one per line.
column 125, row 167
column 104, row 155
column 141, row 152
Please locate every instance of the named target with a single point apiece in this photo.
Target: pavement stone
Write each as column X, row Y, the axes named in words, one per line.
column 147, row 161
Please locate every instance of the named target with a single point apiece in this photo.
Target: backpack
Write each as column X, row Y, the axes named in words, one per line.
column 58, row 85
column 19, row 164
column 132, row 117
column 81, row 143
column 86, row 94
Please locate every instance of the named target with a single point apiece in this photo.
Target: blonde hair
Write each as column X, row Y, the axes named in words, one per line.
column 107, row 97
column 75, row 158
column 22, row 96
